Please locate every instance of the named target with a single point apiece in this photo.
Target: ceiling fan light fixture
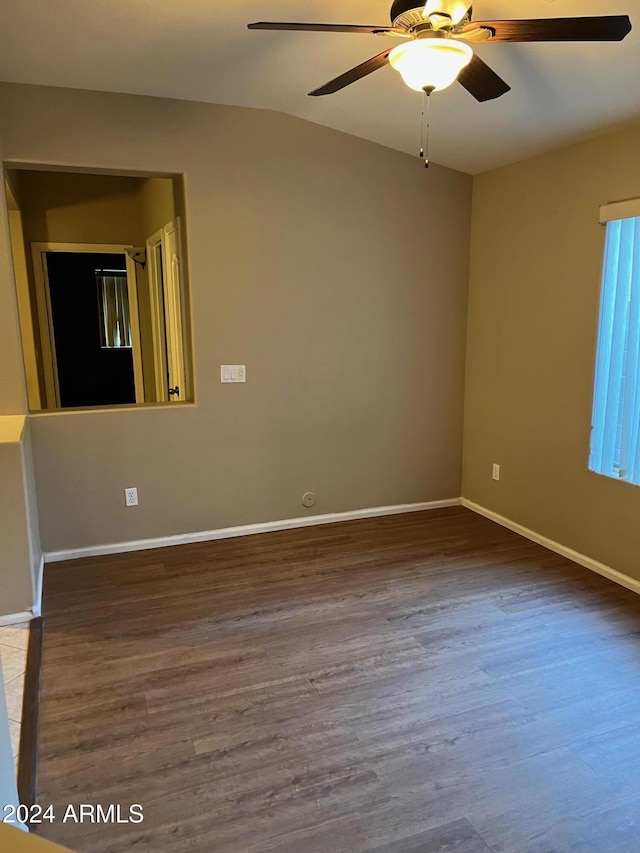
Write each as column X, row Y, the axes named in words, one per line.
column 430, row 63
column 455, row 10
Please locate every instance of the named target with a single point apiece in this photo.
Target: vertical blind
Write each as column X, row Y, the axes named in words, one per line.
column 113, row 298
column 615, row 435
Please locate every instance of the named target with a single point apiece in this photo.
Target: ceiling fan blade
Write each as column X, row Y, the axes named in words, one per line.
column 481, row 81
column 353, row 74
column 474, row 34
column 326, row 28
column 602, row 28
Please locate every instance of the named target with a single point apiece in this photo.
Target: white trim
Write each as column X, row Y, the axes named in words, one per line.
column 173, row 298
column 134, row 322
column 45, row 325
column 575, row 556
column 628, row 209
column 243, row 530
column 37, row 604
column 15, row 618
column 25, row 314
column 157, row 317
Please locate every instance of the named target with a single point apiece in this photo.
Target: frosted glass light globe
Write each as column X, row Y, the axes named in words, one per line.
column 432, row 63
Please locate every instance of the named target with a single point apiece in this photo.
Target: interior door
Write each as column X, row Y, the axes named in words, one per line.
column 172, row 286
column 155, row 280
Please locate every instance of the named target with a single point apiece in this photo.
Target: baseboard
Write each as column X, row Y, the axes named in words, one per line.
column 243, row 530
column 37, row 605
column 15, row 618
column 582, row 559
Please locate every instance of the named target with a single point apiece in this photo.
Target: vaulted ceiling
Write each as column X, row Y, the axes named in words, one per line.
column 201, row 50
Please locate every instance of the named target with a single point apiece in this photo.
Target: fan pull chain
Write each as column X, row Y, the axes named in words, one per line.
column 424, row 95
column 424, row 143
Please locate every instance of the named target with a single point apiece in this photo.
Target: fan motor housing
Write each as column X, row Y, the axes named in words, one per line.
column 405, row 13
column 399, row 7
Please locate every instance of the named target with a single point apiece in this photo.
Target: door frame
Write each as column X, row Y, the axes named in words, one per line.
column 25, row 313
column 45, row 317
column 173, row 296
column 166, row 294
column 156, row 300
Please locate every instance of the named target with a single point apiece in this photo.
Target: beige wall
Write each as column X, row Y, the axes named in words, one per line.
column 335, row 269
column 62, row 207
column 19, row 562
column 16, row 590
column 533, row 308
column 157, row 202
column 68, row 207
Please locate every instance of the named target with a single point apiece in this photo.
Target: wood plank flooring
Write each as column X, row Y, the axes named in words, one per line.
column 409, row 684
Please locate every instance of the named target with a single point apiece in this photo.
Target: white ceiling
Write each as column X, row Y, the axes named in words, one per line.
column 201, row 50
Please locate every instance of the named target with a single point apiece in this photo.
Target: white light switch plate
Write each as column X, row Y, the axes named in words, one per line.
column 233, row 373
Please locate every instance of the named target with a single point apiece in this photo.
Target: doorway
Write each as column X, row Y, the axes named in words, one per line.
column 88, row 313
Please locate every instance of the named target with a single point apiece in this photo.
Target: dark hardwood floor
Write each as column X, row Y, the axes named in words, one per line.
column 415, row 683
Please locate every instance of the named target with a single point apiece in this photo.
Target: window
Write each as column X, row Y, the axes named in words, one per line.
column 615, row 433
column 113, row 302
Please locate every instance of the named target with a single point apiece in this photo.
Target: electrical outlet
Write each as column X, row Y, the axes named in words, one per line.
column 496, row 471
column 131, row 496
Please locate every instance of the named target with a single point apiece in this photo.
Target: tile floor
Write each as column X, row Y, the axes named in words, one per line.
column 13, row 651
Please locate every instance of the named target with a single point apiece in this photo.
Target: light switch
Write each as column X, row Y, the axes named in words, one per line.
column 233, row 373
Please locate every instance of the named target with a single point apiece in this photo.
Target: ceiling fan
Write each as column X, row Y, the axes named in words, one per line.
column 437, row 51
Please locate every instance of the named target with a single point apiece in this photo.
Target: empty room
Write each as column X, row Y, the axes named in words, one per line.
column 320, row 427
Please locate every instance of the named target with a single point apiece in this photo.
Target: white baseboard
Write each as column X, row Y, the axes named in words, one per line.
column 242, row 530
column 15, row 618
column 569, row 553
column 37, row 604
